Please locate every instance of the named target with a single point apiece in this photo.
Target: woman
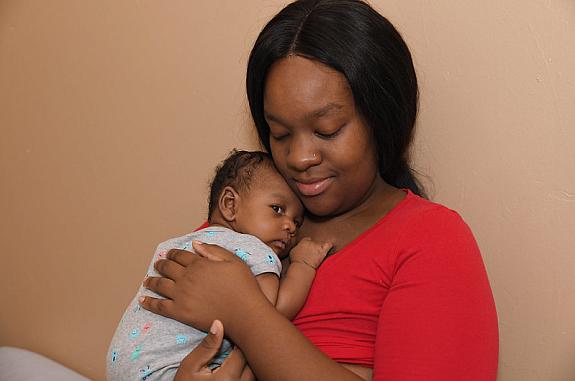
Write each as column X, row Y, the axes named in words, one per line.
column 404, row 296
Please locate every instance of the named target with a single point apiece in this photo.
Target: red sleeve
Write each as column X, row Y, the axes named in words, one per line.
column 203, row 226
column 438, row 321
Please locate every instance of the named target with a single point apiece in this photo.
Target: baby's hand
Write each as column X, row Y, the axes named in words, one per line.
column 310, row 252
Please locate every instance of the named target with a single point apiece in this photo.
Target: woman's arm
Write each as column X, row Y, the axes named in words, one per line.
column 195, row 365
column 269, row 285
column 226, row 290
column 276, row 350
column 438, row 321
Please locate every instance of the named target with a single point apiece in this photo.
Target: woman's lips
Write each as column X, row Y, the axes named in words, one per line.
column 314, row 187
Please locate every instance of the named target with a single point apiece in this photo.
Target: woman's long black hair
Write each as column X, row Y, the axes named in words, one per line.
column 352, row 38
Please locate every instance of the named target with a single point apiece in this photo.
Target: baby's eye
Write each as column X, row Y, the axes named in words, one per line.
column 278, row 209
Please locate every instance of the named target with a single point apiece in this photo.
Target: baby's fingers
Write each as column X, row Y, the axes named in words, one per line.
column 326, row 247
column 234, row 365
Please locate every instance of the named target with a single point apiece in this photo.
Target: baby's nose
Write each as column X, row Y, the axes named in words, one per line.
column 289, row 225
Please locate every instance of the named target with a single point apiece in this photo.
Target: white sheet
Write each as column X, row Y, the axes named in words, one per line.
column 22, row 365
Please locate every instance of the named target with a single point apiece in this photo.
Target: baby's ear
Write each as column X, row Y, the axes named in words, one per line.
column 228, row 203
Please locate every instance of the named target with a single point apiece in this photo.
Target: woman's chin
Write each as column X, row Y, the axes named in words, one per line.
column 319, row 207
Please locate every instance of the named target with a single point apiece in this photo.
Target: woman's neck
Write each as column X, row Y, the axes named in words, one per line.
column 345, row 227
column 377, row 199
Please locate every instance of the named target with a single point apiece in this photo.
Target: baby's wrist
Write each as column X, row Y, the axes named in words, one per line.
column 303, row 262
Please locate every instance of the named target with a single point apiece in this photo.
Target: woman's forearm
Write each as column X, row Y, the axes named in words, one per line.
column 276, row 350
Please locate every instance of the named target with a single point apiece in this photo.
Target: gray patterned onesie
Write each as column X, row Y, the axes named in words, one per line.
column 150, row 347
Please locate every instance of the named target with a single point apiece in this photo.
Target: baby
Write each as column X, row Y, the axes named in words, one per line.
column 252, row 213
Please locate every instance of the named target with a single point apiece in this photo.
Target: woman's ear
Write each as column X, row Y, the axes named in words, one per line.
column 228, row 203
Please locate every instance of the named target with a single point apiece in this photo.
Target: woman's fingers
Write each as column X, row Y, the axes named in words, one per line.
column 182, row 257
column 198, row 359
column 211, row 252
column 161, row 286
column 169, row 268
column 188, row 279
column 164, row 307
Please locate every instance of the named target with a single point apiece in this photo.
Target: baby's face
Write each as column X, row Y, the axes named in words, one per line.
column 270, row 211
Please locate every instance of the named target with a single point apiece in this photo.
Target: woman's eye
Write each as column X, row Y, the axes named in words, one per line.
column 278, row 209
column 278, row 133
column 328, row 135
column 278, row 137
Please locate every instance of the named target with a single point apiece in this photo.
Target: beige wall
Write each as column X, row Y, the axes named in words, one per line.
column 113, row 114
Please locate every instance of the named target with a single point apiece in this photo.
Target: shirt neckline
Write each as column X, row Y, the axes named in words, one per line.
column 400, row 205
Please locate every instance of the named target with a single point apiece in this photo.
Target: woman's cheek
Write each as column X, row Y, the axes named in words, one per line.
column 279, row 156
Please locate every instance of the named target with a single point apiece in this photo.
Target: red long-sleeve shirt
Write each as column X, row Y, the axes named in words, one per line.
column 409, row 298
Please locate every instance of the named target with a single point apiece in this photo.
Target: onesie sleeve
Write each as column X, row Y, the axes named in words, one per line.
column 259, row 257
column 438, row 321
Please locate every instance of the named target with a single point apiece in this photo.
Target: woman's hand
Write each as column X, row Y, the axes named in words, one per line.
column 200, row 288
column 194, row 367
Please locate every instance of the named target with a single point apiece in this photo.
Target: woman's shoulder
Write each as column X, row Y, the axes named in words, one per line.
column 416, row 216
column 421, row 229
column 416, row 208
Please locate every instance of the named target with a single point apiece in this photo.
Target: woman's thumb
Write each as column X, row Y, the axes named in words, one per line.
column 213, row 340
column 201, row 356
column 203, row 249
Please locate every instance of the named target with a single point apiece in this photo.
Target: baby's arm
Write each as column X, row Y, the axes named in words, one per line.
column 269, row 284
column 294, row 286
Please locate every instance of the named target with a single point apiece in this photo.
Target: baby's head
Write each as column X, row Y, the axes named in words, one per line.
column 249, row 196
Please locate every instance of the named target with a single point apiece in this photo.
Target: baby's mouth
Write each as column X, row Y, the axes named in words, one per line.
column 280, row 244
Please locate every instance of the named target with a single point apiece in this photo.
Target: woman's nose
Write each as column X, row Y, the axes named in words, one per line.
column 302, row 155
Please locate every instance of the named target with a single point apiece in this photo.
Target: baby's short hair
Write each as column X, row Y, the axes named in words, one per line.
column 237, row 171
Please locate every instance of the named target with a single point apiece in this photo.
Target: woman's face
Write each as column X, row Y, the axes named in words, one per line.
column 318, row 140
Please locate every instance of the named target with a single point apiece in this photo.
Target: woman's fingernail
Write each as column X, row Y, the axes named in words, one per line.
column 198, row 242
column 213, row 328
column 141, row 299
